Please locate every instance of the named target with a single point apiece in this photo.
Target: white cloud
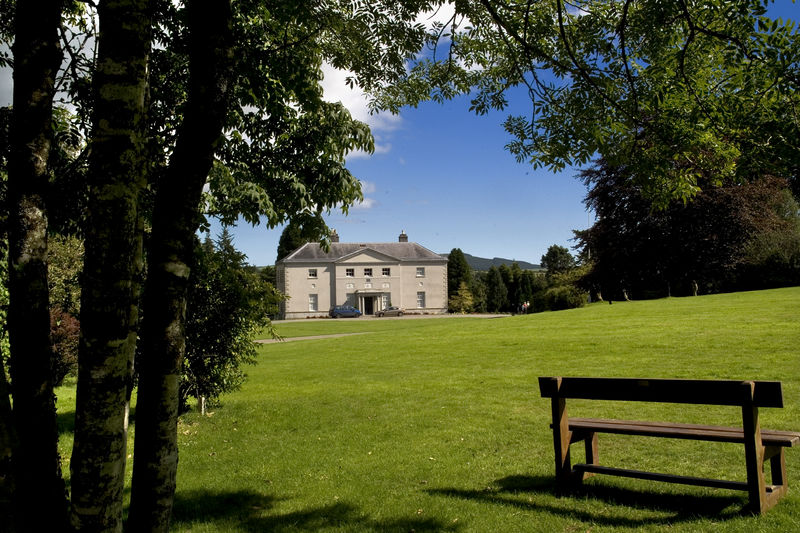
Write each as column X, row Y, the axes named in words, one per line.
column 367, row 188
column 368, row 203
column 336, row 89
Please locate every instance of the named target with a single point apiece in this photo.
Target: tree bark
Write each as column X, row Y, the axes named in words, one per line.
column 175, row 222
column 8, row 442
column 112, row 268
column 39, row 493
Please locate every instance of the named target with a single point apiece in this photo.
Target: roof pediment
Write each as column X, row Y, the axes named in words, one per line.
column 367, row 255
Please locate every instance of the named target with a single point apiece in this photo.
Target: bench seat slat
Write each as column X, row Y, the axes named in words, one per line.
column 682, row 431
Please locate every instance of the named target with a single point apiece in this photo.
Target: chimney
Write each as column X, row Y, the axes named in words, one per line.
column 334, row 236
column 403, row 237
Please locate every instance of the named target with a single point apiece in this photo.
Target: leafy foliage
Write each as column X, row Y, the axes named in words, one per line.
column 496, row 291
column 682, row 92
column 557, row 260
column 64, row 335
column 461, row 301
column 710, row 242
column 227, row 304
column 458, row 272
column 64, row 266
column 293, row 236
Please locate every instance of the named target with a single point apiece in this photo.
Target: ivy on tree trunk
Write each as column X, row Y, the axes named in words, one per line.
column 113, row 264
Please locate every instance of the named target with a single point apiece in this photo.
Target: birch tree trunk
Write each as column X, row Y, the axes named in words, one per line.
column 112, row 268
column 175, row 221
column 39, row 494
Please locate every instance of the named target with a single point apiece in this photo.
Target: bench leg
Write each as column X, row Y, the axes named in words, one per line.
column 592, row 454
column 561, row 441
column 754, row 459
column 777, row 463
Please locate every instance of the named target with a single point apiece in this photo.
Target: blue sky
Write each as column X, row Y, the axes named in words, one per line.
column 442, row 175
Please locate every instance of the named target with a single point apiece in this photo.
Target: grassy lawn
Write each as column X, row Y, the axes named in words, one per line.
column 437, row 424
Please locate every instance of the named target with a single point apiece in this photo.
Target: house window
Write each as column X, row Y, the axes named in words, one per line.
column 350, row 298
column 312, row 273
column 367, row 272
column 350, row 272
column 384, row 301
column 421, row 300
column 420, row 272
column 368, row 285
column 386, row 271
column 312, row 303
column 350, row 286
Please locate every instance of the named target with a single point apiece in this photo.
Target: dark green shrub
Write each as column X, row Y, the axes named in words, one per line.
column 564, row 297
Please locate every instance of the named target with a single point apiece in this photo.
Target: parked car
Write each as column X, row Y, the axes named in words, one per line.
column 390, row 311
column 344, row 311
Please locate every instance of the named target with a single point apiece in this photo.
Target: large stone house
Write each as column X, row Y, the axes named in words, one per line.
column 369, row 276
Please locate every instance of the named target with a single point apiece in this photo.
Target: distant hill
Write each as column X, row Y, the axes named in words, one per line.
column 483, row 264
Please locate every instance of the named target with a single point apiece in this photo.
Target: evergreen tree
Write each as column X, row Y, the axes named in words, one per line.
column 228, row 302
column 293, row 236
column 496, row 291
column 458, row 272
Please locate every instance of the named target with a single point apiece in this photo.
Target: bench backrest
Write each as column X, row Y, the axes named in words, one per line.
column 695, row 391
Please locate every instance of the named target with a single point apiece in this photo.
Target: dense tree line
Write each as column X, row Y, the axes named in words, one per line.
column 731, row 237
column 511, row 289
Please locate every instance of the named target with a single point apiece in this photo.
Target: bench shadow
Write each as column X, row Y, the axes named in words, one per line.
column 680, row 508
column 251, row 512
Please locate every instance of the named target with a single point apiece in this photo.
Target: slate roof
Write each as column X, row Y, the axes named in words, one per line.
column 402, row 251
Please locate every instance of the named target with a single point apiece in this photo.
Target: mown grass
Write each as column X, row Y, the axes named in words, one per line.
column 437, row 424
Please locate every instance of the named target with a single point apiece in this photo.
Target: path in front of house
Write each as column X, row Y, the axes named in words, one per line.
column 335, row 335
column 310, row 337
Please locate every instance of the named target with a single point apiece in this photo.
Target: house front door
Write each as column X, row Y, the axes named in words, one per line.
column 369, row 306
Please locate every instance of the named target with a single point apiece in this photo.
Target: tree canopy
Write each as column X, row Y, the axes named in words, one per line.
column 709, row 244
column 687, row 93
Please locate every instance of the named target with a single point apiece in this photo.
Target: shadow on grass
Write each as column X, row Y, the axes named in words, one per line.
column 253, row 512
column 679, row 508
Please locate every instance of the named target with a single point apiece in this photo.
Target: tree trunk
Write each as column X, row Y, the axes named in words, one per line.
column 112, row 268
column 40, row 498
column 175, row 222
column 8, row 443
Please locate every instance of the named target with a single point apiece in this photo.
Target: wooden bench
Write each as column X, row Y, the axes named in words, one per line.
column 759, row 445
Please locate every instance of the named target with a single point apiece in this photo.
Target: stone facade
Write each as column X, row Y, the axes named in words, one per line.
column 369, row 276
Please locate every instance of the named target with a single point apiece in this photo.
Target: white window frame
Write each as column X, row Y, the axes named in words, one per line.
column 420, row 272
column 421, row 300
column 350, row 272
column 386, row 272
column 313, row 303
column 368, row 272
column 312, row 273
